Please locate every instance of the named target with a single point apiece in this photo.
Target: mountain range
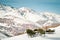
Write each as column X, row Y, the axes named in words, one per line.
column 15, row 21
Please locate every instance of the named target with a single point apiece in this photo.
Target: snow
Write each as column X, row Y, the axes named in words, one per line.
column 2, row 36
column 32, row 17
column 25, row 37
column 2, row 24
column 48, row 23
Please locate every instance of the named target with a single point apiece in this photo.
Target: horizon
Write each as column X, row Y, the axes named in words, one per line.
column 37, row 5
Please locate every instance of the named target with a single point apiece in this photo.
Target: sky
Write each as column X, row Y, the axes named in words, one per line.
column 37, row 5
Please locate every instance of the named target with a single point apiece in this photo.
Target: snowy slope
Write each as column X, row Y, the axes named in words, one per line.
column 30, row 15
column 25, row 37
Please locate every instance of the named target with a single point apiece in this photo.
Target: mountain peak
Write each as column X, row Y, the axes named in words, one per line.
column 25, row 9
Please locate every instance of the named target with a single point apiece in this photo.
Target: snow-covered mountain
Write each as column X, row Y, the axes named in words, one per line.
column 15, row 21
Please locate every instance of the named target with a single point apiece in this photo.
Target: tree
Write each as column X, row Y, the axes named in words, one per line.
column 41, row 31
column 35, row 29
column 30, row 32
column 50, row 30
